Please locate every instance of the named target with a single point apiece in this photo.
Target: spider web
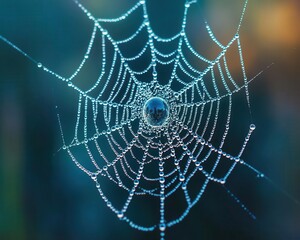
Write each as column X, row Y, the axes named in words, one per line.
column 146, row 161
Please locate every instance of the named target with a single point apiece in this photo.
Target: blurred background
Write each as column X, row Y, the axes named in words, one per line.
column 43, row 195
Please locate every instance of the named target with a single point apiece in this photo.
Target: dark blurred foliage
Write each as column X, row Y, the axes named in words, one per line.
column 43, row 195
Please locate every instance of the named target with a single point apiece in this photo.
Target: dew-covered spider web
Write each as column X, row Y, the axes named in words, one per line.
column 152, row 122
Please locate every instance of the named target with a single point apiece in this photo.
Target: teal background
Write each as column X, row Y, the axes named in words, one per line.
column 43, row 195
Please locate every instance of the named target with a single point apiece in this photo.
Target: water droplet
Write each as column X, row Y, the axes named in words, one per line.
column 260, row 175
column 162, row 227
column 161, row 180
column 94, row 176
column 120, row 215
column 181, row 178
column 154, row 73
column 156, row 111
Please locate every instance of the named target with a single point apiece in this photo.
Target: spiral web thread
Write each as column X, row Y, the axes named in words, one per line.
column 111, row 129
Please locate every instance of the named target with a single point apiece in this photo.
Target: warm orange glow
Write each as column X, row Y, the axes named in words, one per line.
column 278, row 24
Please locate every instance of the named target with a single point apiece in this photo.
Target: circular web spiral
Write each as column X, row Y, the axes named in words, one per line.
column 140, row 157
column 110, row 115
